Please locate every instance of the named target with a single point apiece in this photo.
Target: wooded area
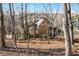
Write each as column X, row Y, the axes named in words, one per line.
column 31, row 33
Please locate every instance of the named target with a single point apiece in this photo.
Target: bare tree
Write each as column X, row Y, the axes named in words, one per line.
column 12, row 13
column 12, row 18
column 26, row 27
column 51, row 11
column 78, row 17
column 66, row 33
column 34, row 24
column 70, row 24
column 22, row 21
column 3, row 32
column 47, row 24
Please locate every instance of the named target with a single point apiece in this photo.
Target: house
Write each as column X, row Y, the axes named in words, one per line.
column 51, row 28
column 43, row 27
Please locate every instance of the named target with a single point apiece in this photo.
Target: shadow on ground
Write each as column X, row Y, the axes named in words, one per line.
column 35, row 51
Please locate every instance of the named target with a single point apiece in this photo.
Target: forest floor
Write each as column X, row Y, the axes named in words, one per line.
column 38, row 47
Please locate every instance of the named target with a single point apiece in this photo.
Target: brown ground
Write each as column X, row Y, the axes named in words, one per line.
column 37, row 47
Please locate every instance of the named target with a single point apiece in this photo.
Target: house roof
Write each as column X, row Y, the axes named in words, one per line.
column 39, row 22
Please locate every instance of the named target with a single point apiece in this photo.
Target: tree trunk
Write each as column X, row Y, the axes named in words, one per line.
column 70, row 24
column 22, row 21
column 3, row 32
column 47, row 22
column 12, row 18
column 27, row 27
column 66, row 33
column 12, row 13
column 34, row 25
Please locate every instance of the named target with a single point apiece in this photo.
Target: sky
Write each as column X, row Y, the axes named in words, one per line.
column 39, row 7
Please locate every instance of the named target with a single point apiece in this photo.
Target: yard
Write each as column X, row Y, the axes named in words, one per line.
column 38, row 47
